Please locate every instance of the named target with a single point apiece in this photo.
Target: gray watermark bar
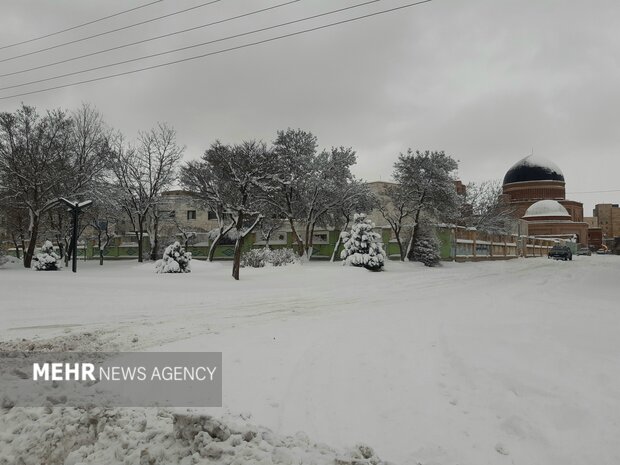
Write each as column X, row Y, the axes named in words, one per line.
column 106, row 379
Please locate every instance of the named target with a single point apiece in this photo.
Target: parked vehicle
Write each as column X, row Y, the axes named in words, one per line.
column 560, row 252
column 584, row 251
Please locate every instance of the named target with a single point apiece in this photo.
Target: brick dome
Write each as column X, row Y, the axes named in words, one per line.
column 533, row 168
column 546, row 209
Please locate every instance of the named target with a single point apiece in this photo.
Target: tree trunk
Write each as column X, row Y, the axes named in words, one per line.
column 34, row 232
column 154, row 246
column 212, row 247
column 237, row 257
column 154, row 241
column 268, row 237
column 100, row 249
column 300, row 244
column 310, row 242
column 69, row 253
column 140, row 236
column 339, row 241
column 69, row 248
column 61, row 247
column 217, row 240
column 414, row 236
column 401, row 250
column 238, row 247
column 16, row 246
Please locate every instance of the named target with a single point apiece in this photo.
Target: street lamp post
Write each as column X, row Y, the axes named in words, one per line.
column 75, row 208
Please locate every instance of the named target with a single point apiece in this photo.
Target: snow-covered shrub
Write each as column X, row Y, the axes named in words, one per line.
column 175, row 260
column 281, row 257
column 363, row 246
column 46, row 259
column 254, row 258
column 258, row 258
column 426, row 250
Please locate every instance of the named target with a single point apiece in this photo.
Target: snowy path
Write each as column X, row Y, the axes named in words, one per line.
column 488, row 363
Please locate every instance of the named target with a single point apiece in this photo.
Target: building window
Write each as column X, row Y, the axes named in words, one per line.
column 320, row 238
column 211, row 215
column 191, row 214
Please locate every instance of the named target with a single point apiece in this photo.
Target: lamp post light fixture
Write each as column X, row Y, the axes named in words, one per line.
column 75, row 208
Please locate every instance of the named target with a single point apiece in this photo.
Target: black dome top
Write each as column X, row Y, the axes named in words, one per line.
column 533, row 169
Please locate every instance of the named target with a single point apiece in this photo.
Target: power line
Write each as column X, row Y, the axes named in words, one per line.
column 218, row 52
column 594, row 192
column 79, row 25
column 144, row 57
column 151, row 39
column 109, row 32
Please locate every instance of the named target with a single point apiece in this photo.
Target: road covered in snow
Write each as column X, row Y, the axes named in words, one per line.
column 512, row 362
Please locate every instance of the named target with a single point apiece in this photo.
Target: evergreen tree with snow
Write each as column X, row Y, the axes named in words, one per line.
column 426, row 248
column 175, row 260
column 47, row 259
column 362, row 246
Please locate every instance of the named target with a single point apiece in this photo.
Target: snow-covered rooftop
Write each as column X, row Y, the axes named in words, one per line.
column 533, row 168
column 535, row 160
column 546, row 208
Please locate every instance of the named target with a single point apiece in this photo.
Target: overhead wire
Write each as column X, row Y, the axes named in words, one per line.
column 88, row 23
column 213, row 23
column 219, row 52
column 188, row 47
column 82, row 39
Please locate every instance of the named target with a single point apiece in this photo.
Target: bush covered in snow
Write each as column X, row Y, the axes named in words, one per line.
column 175, row 260
column 363, row 246
column 46, row 259
column 427, row 252
column 426, row 249
column 258, row 258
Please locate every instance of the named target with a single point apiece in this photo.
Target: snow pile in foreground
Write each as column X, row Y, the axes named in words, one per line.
column 73, row 436
column 55, row 435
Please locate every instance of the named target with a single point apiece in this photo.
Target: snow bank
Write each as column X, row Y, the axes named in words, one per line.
column 54, row 435
column 149, row 436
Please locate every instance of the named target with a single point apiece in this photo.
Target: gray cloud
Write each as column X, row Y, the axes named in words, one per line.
column 486, row 81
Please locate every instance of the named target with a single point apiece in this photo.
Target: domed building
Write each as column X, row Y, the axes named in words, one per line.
column 535, row 187
column 547, row 210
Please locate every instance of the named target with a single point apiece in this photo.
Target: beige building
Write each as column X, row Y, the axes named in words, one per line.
column 608, row 217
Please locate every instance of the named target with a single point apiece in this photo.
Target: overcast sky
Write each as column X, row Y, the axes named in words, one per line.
column 488, row 81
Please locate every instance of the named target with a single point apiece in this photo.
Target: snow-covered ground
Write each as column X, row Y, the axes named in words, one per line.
column 514, row 362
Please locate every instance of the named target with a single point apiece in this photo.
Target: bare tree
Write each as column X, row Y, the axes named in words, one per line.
column 397, row 208
column 247, row 170
column 198, row 177
column 46, row 157
column 272, row 221
column 427, row 178
column 17, row 221
column 142, row 173
column 363, row 201
column 294, row 152
column 33, row 155
column 309, row 186
column 483, row 208
column 187, row 233
column 329, row 186
column 103, row 216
